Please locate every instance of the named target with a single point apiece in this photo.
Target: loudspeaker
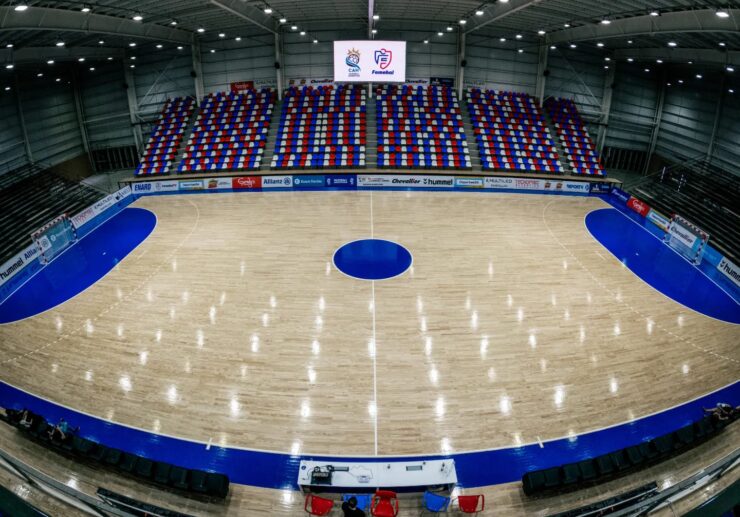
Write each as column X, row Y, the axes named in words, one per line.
column 193, row 74
column 463, row 63
column 546, row 72
column 125, row 86
column 277, row 65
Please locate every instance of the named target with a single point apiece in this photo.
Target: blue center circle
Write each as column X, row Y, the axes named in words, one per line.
column 372, row 259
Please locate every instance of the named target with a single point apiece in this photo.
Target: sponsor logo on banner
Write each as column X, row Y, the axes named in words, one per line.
column 621, row 194
column 600, row 188
column 442, row 81
column 686, row 238
column 308, row 181
column 246, row 182
column 383, row 58
column 217, row 183
column 191, row 185
column 11, row 267
column 407, row 181
column 468, row 182
column 100, row 207
column 241, row 86
column 658, row 219
column 577, row 186
column 502, row 183
column 417, row 81
column 527, row 184
column 142, row 188
column 730, row 270
column 277, row 181
column 341, row 180
column 166, row 186
column 86, row 215
column 638, row 206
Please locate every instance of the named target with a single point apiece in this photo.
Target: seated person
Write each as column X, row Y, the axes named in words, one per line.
column 350, row 509
column 27, row 419
column 60, row 431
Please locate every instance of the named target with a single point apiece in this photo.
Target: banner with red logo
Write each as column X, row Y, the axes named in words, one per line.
column 242, row 86
column 246, row 182
column 638, row 206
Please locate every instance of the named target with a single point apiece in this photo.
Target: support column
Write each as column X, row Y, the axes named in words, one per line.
column 22, row 119
column 606, row 105
column 541, row 68
column 279, row 64
column 197, row 70
column 656, row 122
column 717, row 115
column 128, row 75
column 460, row 72
column 80, row 111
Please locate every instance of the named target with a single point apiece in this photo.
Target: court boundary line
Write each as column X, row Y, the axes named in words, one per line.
column 380, row 456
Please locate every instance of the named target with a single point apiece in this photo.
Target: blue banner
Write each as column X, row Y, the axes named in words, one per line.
column 341, row 181
column 621, row 194
column 600, row 188
column 308, row 181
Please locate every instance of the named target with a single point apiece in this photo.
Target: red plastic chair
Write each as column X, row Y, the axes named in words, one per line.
column 384, row 504
column 316, row 505
column 471, row 503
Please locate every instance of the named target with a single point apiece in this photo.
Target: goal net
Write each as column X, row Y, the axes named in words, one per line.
column 54, row 237
column 687, row 239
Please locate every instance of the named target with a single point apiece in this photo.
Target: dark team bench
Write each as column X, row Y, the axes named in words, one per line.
column 607, row 466
column 190, row 480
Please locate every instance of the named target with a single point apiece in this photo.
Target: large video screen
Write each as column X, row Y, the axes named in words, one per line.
column 370, row 61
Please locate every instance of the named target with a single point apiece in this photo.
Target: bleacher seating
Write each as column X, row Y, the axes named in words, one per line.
column 420, row 127
column 34, row 201
column 580, row 149
column 511, row 132
column 166, row 137
column 322, row 127
column 230, row 132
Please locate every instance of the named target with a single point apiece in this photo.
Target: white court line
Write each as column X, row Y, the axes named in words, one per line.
column 375, row 343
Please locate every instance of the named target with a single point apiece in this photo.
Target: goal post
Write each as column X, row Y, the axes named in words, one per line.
column 687, row 239
column 54, row 237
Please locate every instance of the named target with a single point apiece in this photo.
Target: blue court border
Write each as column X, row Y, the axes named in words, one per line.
column 268, row 469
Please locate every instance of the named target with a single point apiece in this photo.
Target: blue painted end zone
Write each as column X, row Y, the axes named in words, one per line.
column 659, row 266
column 280, row 470
column 372, row 259
column 80, row 266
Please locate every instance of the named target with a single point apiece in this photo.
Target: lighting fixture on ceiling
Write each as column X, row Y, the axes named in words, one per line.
column 221, row 34
column 654, row 13
column 600, row 45
column 607, row 59
column 463, row 22
column 179, row 47
column 315, row 41
column 303, row 33
column 85, row 8
column 376, row 17
column 9, row 45
column 374, row 31
column 722, row 44
column 60, row 43
column 630, row 59
column 699, row 76
column 40, row 74
column 50, row 62
column 721, row 13
column 606, row 21
column 159, row 45
column 294, row 27
column 137, row 17
column 479, row 13
column 268, row 10
column 81, row 59
column 566, row 25
column 502, row 40
column 553, row 47
column 201, row 30
column 213, row 51
column 659, row 61
column 449, row 28
column 519, row 36
column 440, row 34
column 238, row 38
column 426, row 42
column 132, row 44
column 541, row 32
column 573, row 45
column 521, row 51
column 92, row 68
column 629, row 42
column 10, row 66
column 730, row 91
column 101, row 42
column 20, row 7
column 672, row 44
column 647, row 70
column 173, row 22
column 730, row 68
column 283, row 20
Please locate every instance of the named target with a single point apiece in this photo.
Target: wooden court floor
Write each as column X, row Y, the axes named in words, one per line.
column 230, row 324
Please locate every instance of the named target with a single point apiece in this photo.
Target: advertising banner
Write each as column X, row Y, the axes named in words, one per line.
column 442, row 81
column 464, row 182
column 191, row 185
column 343, row 181
column 101, row 206
column 405, row 181
column 682, row 235
column 308, row 181
column 417, row 81
column 658, row 219
column 730, row 270
column 241, row 86
column 310, row 81
column 601, row 188
column 217, row 183
column 12, row 266
column 370, row 61
column 246, row 182
column 277, row 181
column 638, row 206
column 152, row 187
column 620, row 194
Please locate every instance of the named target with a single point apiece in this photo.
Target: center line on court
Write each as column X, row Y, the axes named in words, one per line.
column 374, row 342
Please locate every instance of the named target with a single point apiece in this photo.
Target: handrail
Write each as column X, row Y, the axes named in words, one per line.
column 670, row 168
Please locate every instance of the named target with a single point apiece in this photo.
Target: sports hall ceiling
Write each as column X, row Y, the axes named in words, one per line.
column 617, row 24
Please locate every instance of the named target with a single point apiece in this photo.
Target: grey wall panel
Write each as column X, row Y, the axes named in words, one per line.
column 12, row 149
column 493, row 67
column 577, row 75
column 51, row 121
column 727, row 146
column 253, row 62
column 303, row 59
column 105, row 107
column 634, row 104
column 688, row 117
column 162, row 75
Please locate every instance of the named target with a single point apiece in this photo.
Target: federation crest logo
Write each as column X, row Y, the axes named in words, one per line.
column 353, row 62
column 383, row 58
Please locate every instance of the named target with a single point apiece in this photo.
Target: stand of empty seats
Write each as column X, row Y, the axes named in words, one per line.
column 166, row 137
column 322, row 127
column 580, row 149
column 511, row 133
column 230, row 133
column 420, row 128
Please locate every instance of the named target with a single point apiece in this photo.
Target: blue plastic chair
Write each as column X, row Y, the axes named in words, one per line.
column 435, row 503
column 363, row 500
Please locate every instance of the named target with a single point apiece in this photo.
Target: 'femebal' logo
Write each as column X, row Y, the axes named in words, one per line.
column 383, row 58
column 353, row 62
